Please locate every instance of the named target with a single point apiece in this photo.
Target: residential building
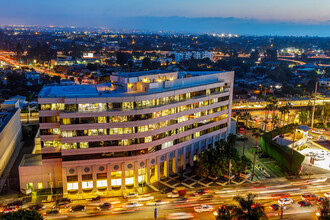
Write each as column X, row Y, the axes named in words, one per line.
column 140, row 128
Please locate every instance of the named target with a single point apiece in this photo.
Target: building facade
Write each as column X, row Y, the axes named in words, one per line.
column 140, row 128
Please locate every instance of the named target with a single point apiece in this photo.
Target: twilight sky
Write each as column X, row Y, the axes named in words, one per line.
column 105, row 12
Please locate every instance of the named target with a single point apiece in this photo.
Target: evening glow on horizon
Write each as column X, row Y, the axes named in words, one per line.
column 84, row 12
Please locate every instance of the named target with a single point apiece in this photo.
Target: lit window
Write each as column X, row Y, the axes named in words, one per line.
column 87, row 184
column 115, row 182
column 40, row 186
column 102, row 183
column 141, row 179
column 129, row 181
column 72, row 186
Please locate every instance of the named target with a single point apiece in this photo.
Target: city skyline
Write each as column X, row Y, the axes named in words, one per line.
column 241, row 17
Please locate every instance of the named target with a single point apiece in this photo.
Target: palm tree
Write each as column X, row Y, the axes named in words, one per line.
column 268, row 108
column 257, row 133
column 294, row 126
column 224, row 214
column 245, row 116
column 248, row 210
column 324, row 210
column 282, row 109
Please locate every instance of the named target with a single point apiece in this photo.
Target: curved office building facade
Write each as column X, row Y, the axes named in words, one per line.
column 136, row 130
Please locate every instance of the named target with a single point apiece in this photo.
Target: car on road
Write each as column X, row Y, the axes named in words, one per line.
column 131, row 195
column 97, row 198
column 310, row 136
column 203, row 208
column 66, row 200
column 304, row 203
column 17, row 204
column 157, row 202
column 285, row 201
column 201, row 192
column 36, row 207
column 327, row 194
column 143, row 198
column 78, row 208
column 311, row 153
column 10, row 209
column 166, row 190
column 180, row 215
column 104, row 206
column 132, row 205
column 309, row 196
column 61, row 205
column 321, row 138
column 173, row 194
column 180, row 200
column 317, row 131
column 276, row 207
column 53, row 212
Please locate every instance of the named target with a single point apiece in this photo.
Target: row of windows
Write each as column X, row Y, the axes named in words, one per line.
column 95, row 132
column 95, row 107
column 125, row 142
column 143, row 151
column 89, row 120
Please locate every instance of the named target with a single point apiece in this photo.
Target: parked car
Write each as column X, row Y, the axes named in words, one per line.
column 203, row 208
column 319, row 158
column 78, row 208
column 304, row 203
column 327, row 194
column 285, row 201
column 17, row 204
column 180, row 215
column 275, row 207
column 104, row 206
column 166, row 190
column 97, row 198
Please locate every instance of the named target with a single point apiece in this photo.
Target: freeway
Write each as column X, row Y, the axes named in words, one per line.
column 269, row 192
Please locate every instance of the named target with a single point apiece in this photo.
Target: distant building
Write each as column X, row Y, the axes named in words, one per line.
column 324, row 82
column 20, row 99
column 179, row 56
column 10, row 134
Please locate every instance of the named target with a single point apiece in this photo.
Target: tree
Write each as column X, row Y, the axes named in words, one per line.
column 245, row 116
column 146, row 63
column 294, row 126
column 324, row 210
column 122, row 58
column 224, row 214
column 22, row 215
column 19, row 51
column 248, row 210
column 254, row 55
column 257, row 134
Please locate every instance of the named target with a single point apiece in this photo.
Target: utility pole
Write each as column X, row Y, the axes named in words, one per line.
column 312, row 125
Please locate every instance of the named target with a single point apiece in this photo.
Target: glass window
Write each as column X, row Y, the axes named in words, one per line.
column 40, row 186
column 101, row 120
column 83, row 145
column 72, row 186
column 116, row 175
column 69, row 146
column 129, row 181
column 115, row 182
column 87, row 184
column 129, row 173
column 101, row 183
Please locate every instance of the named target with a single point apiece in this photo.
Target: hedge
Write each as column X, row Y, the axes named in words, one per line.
column 281, row 154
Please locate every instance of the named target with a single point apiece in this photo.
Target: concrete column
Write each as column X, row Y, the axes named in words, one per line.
column 94, row 170
column 136, row 174
column 79, row 171
column 191, row 157
column 109, row 176
column 64, row 181
column 123, row 175
column 147, row 170
column 157, row 170
column 167, row 167
column 183, row 158
column 174, row 163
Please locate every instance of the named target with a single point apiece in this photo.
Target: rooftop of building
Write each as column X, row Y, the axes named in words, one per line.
column 117, row 89
column 31, row 160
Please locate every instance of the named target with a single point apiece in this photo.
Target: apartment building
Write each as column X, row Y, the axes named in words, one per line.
column 135, row 130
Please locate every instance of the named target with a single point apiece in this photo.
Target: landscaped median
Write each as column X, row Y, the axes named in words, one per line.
column 287, row 158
